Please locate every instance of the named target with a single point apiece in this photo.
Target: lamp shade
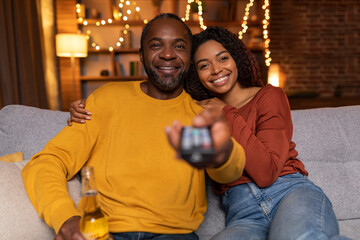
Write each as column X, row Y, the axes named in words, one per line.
column 71, row 45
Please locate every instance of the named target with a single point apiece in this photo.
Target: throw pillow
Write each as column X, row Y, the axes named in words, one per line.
column 14, row 157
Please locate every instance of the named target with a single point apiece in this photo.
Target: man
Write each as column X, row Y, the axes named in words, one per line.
column 143, row 189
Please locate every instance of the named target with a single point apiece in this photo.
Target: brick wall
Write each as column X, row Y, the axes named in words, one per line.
column 317, row 43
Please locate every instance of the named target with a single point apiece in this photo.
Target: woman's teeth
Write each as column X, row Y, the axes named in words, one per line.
column 220, row 79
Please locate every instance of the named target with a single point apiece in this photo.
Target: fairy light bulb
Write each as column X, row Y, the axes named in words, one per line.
column 200, row 12
column 245, row 19
column 266, row 22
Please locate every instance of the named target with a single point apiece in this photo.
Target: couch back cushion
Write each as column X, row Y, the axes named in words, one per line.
column 27, row 129
column 328, row 142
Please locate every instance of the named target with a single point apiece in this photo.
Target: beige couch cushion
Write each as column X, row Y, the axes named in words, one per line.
column 19, row 220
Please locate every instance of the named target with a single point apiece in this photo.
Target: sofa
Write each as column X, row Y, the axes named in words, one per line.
column 328, row 142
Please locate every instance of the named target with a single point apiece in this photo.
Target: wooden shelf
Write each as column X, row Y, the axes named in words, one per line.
column 92, row 22
column 116, row 50
column 190, row 23
column 225, row 24
column 111, row 78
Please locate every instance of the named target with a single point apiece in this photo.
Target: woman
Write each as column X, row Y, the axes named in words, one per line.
column 273, row 199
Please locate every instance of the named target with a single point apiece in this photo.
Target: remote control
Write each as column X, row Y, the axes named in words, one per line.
column 196, row 145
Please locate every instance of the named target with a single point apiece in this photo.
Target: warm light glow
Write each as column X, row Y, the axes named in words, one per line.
column 200, row 12
column 71, row 45
column 276, row 76
column 245, row 18
column 266, row 32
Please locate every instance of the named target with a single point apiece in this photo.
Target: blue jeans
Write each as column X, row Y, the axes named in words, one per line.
column 153, row 236
column 291, row 208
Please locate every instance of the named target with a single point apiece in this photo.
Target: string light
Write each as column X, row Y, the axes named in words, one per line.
column 266, row 22
column 200, row 12
column 122, row 15
column 245, row 19
column 244, row 25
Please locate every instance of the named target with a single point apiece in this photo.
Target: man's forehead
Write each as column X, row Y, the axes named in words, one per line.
column 168, row 28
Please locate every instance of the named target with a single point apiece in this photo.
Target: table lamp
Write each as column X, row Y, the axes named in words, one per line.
column 71, row 45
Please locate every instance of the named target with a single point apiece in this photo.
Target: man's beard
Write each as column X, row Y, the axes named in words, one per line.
column 168, row 83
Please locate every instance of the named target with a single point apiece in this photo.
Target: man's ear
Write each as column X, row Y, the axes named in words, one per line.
column 141, row 56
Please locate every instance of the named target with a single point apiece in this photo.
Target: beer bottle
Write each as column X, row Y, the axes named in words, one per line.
column 93, row 224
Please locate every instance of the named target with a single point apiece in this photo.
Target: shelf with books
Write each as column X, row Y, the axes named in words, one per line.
column 122, row 64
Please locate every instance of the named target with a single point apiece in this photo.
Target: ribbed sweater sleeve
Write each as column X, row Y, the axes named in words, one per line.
column 232, row 169
column 45, row 176
column 267, row 144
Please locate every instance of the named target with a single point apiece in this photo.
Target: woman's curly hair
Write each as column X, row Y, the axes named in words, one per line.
column 248, row 68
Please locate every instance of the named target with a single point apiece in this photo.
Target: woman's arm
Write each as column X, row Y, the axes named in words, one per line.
column 265, row 136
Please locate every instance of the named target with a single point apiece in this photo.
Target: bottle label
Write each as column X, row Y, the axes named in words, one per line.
column 96, row 229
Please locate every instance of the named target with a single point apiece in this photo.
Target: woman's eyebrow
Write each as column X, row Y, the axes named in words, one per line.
column 218, row 54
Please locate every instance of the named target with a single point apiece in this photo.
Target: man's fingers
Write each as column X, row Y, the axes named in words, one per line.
column 207, row 118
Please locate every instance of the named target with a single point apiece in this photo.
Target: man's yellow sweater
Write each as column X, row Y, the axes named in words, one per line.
column 142, row 186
